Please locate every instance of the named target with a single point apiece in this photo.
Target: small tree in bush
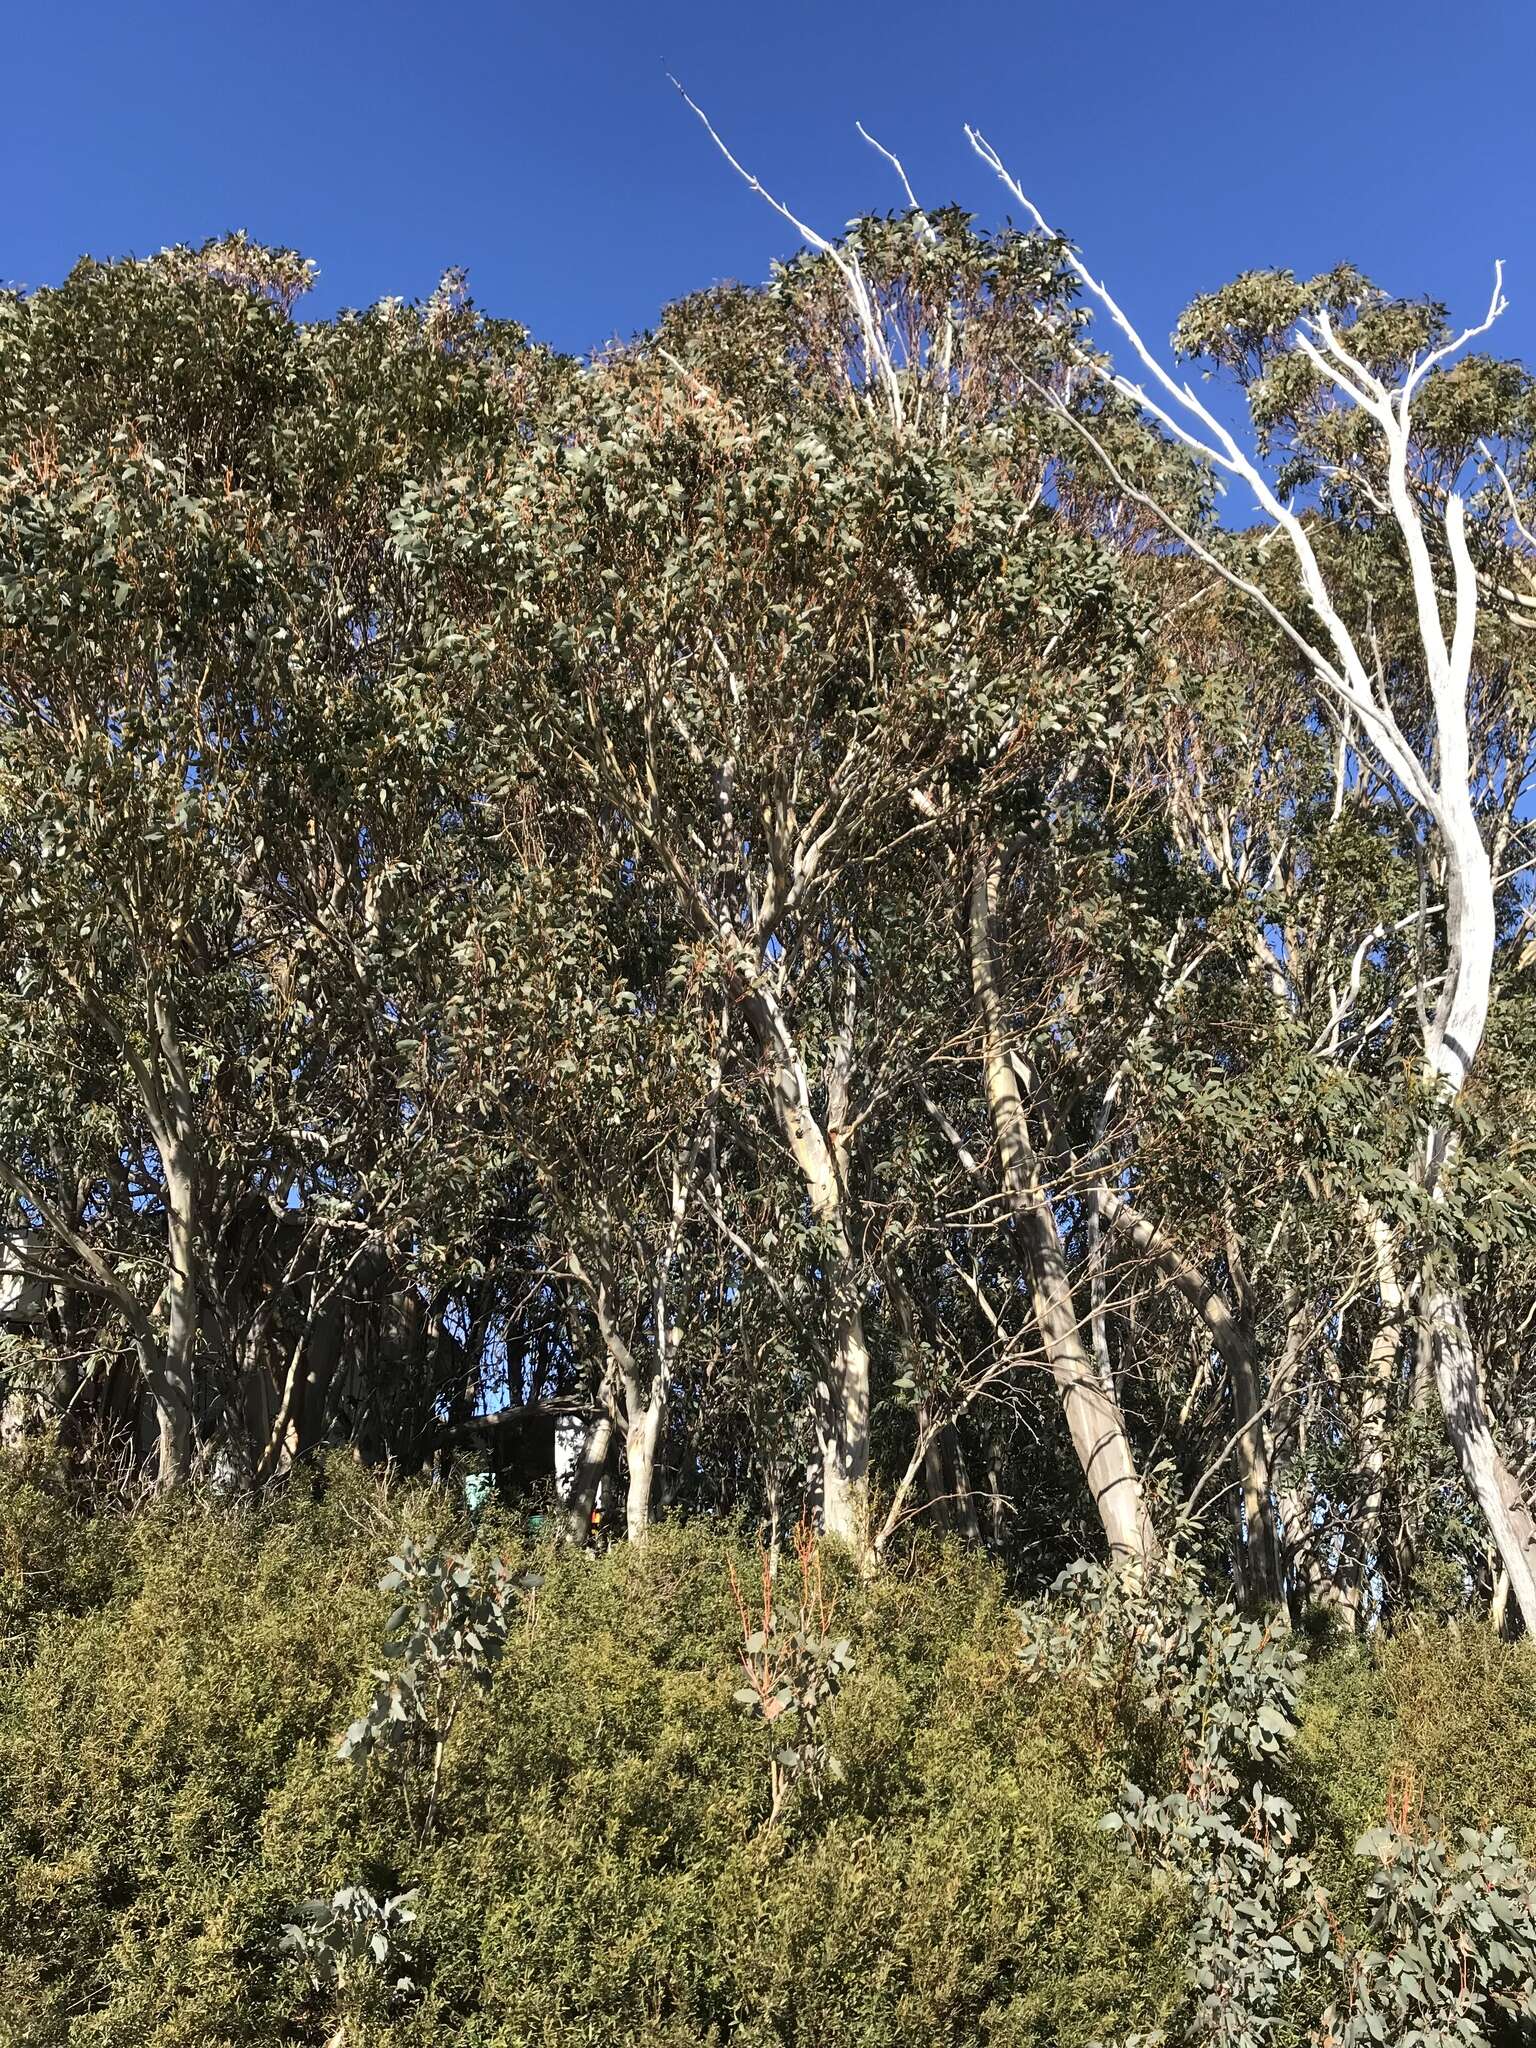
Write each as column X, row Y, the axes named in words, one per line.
column 348, row 1935
column 793, row 1673
column 1226, row 1690
column 447, row 1635
column 1450, row 1952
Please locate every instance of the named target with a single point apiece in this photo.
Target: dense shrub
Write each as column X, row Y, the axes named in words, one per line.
column 599, row 1867
column 1440, row 1722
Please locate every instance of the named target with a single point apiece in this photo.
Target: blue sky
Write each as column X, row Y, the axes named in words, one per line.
column 542, row 147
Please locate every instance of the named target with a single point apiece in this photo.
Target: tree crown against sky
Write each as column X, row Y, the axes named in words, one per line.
column 753, row 902
column 1180, row 149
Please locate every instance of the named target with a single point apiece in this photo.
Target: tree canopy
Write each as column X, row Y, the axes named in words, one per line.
column 789, row 919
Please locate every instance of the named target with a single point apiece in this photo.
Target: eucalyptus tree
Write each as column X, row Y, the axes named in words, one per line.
column 1352, row 380
column 603, row 1050
column 938, row 340
column 745, row 895
column 723, row 653
column 229, row 842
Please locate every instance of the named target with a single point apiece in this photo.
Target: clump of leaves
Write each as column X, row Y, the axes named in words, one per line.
column 1451, row 1951
column 351, row 1934
column 793, row 1673
column 447, row 1634
column 1227, row 1690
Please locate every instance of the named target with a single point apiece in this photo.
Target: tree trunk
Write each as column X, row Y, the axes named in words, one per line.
column 169, row 1369
column 842, row 1396
column 581, row 1503
column 1251, row 1455
column 1375, row 1414
column 1262, row 1573
column 1451, row 1047
column 1493, row 1484
column 1093, row 1415
column 643, row 1411
column 844, row 1434
column 640, row 1441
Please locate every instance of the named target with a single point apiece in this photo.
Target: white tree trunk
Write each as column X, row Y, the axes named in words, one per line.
column 1094, row 1421
column 842, row 1405
column 1493, row 1484
column 1375, row 1414
column 588, row 1477
column 1454, row 1039
column 640, row 1441
column 170, row 1375
column 1434, row 770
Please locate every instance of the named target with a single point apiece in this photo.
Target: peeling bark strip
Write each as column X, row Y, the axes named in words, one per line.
column 1375, row 1409
column 1093, row 1413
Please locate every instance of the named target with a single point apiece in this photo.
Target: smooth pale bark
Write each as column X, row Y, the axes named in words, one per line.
column 1263, row 1574
column 1498, row 1603
column 1093, row 1415
column 841, row 1410
column 1458, row 1377
column 842, row 1406
column 642, row 1407
column 1434, row 768
column 170, row 1372
column 581, row 1502
column 1455, row 1036
column 640, row 1441
column 1375, row 1412
column 646, row 1398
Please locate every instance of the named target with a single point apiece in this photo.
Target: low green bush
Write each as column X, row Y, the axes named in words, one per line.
column 1439, row 1722
column 600, row 1868
column 599, row 1865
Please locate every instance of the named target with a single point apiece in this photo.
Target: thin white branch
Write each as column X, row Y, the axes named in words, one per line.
column 906, row 183
column 878, row 363
column 1345, row 673
column 1497, row 305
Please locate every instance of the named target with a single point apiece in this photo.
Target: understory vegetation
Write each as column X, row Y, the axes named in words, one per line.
column 605, row 1862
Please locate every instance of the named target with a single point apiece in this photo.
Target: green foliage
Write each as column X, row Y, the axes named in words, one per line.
column 1221, row 1692
column 1438, row 1721
column 1450, row 1948
column 794, row 1671
column 1437, row 1948
column 348, row 1935
column 189, row 1863
column 697, row 901
column 598, row 1872
column 446, row 1636
column 54, row 1561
